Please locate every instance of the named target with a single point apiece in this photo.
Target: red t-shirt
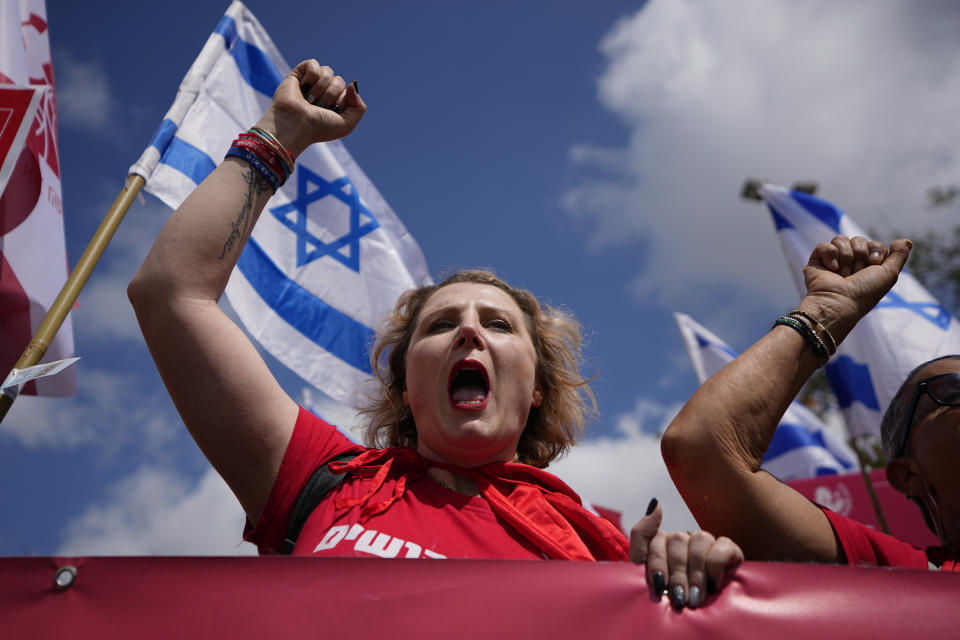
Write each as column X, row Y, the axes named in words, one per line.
column 865, row 546
column 429, row 521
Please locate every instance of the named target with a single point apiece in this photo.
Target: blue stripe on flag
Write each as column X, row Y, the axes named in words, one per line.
column 227, row 27
column 255, row 66
column 188, row 160
column 791, row 436
column 825, row 471
column 851, row 383
column 779, row 222
column 821, row 209
column 329, row 328
column 163, row 135
column 703, row 342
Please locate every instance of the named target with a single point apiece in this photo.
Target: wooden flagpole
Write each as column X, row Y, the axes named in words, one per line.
column 71, row 288
column 864, row 459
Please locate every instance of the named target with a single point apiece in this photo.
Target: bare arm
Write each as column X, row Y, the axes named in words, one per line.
column 228, row 399
column 714, row 447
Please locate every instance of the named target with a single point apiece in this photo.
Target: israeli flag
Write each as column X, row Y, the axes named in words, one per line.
column 802, row 446
column 906, row 328
column 328, row 258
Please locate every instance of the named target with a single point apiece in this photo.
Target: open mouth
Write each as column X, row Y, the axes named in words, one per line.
column 469, row 387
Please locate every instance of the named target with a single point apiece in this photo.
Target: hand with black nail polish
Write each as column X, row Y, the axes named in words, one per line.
column 312, row 105
column 687, row 566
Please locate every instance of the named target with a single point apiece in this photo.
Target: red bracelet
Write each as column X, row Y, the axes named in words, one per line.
column 264, row 153
column 271, row 139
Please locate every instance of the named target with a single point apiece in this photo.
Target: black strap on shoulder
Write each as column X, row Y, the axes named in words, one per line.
column 316, row 489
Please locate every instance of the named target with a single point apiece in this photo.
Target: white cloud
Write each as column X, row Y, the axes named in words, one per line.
column 158, row 512
column 104, row 312
column 625, row 472
column 83, row 94
column 110, row 410
column 861, row 97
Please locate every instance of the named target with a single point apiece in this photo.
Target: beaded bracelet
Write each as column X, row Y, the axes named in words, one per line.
column 824, row 334
column 257, row 164
column 808, row 334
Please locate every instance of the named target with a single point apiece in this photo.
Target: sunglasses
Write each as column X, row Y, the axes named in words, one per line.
column 943, row 389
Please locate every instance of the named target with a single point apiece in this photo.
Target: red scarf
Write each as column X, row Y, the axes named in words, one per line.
column 536, row 504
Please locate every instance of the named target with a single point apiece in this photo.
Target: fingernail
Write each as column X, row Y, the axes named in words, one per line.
column 311, row 98
column 874, row 255
column 356, row 87
column 651, row 506
column 335, row 109
column 305, row 87
column 711, row 585
column 659, row 582
column 695, row 597
column 322, row 105
column 677, row 598
column 909, row 244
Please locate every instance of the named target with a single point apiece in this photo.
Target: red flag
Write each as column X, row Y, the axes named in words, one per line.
column 33, row 257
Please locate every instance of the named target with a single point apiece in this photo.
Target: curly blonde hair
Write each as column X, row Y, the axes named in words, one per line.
column 551, row 428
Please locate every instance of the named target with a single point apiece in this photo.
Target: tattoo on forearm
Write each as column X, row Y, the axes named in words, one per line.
column 256, row 185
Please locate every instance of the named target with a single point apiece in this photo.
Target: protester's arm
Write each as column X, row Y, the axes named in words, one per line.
column 228, row 399
column 714, row 447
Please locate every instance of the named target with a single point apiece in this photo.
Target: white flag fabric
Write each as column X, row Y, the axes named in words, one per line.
column 906, row 328
column 328, row 258
column 802, row 446
column 33, row 254
column 346, row 420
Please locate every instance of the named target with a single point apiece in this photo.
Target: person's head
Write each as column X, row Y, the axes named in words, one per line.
column 475, row 366
column 920, row 435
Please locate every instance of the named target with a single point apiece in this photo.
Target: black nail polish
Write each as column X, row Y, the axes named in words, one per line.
column 305, row 87
column 677, row 597
column 659, row 582
column 356, row 87
column 711, row 585
column 651, row 506
column 335, row 108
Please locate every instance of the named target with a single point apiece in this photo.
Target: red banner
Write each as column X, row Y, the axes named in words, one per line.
column 847, row 495
column 356, row 598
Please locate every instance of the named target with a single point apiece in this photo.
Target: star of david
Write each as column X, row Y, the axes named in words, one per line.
column 311, row 188
column 931, row 311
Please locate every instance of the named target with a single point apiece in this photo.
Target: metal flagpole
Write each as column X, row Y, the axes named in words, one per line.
column 71, row 288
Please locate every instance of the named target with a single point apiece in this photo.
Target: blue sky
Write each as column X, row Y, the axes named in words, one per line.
column 591, row 152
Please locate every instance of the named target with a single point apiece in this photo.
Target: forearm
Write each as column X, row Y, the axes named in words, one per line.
column 195, row 253
column 715, row 446
column 729, row 421
column 736, row 412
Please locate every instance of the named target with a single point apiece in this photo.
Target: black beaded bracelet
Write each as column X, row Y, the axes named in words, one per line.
column 808, row 334
column 825, row 336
